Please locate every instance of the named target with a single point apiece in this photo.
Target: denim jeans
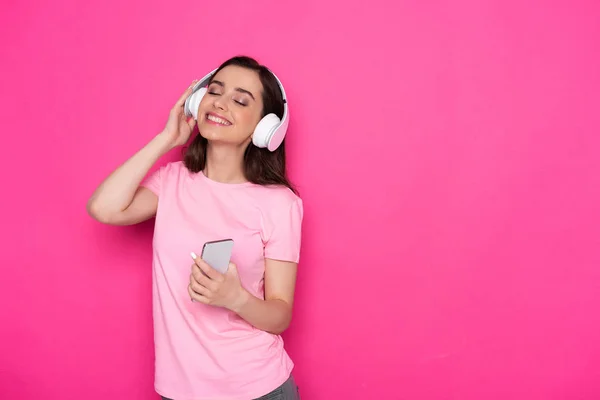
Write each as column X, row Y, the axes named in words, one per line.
column 288, row 391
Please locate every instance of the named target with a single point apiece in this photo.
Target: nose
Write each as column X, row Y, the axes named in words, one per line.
column 220, row 103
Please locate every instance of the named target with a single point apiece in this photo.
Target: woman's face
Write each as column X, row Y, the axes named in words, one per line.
column 231, row 107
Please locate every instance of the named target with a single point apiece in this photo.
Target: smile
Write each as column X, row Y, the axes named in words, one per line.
column 217, row 120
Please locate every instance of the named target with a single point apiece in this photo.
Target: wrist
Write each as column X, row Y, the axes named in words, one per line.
column 240, row 301
column 164, row 142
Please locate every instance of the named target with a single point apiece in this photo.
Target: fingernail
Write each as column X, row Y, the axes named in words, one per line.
column 194, row 256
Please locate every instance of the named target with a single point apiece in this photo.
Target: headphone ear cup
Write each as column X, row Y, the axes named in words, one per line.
column 193, row 102
column 264, row 130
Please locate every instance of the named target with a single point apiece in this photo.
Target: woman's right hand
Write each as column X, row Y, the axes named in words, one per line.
column 179, row 128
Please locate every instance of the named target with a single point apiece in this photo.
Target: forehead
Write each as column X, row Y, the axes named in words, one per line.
column 234, row 76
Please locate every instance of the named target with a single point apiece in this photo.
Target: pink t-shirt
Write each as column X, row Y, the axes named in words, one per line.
column 208, row 352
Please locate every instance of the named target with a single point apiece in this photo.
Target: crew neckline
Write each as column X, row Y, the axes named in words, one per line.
column 222, row 184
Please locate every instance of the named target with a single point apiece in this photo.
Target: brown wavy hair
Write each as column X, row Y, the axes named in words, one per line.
column 261, row 166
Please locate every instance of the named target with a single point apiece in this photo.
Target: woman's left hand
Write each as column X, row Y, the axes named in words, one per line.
column 209, row 286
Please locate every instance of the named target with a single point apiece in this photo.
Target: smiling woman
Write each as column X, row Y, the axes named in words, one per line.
column 240, row 93
column 217, row 335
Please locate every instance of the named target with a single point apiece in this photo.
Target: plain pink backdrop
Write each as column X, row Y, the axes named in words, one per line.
column 447, row 153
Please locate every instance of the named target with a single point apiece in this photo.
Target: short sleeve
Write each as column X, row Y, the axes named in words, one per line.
column 284, row 240
column 153, row 181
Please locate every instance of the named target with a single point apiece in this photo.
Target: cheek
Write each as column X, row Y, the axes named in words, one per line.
column 247, row 119
column 202, row 107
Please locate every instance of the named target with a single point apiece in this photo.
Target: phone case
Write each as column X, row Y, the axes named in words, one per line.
column 217, row 254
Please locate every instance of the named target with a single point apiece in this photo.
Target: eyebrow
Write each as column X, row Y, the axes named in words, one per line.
column 237, row 89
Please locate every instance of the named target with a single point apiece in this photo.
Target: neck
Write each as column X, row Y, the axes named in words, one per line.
column 225, row 163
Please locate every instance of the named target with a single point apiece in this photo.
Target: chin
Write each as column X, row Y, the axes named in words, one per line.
column 215, row 137
column 210, row 132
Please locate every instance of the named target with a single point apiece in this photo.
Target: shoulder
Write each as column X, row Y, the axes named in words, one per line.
column 163, row 175
column 278, row 199
column 282, row 213
column 174, row 167
column 282, row 217
column 173, row 170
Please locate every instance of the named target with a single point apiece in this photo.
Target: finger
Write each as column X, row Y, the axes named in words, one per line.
column 195, row 264
column 185, row 94
column 207, row 269
column 232, row 267
column 191, row 123
column 197, row 297
column 199, row 288
column 200, row 277
column 212, row 273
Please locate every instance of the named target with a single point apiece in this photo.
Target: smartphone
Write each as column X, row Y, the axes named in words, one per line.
column 217, row 254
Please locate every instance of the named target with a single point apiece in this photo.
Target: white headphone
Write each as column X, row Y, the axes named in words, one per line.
column 270, row 131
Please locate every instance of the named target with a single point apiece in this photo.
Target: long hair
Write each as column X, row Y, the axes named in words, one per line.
column 261, row 166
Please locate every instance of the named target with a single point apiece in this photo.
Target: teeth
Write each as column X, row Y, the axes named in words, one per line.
column 217, row 120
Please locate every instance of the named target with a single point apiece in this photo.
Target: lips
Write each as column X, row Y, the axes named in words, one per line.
column 216, row 119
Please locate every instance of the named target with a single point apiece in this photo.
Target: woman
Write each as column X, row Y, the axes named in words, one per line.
column 217, row 335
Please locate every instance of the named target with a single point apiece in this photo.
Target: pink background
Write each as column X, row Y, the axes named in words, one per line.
column 446, row 151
